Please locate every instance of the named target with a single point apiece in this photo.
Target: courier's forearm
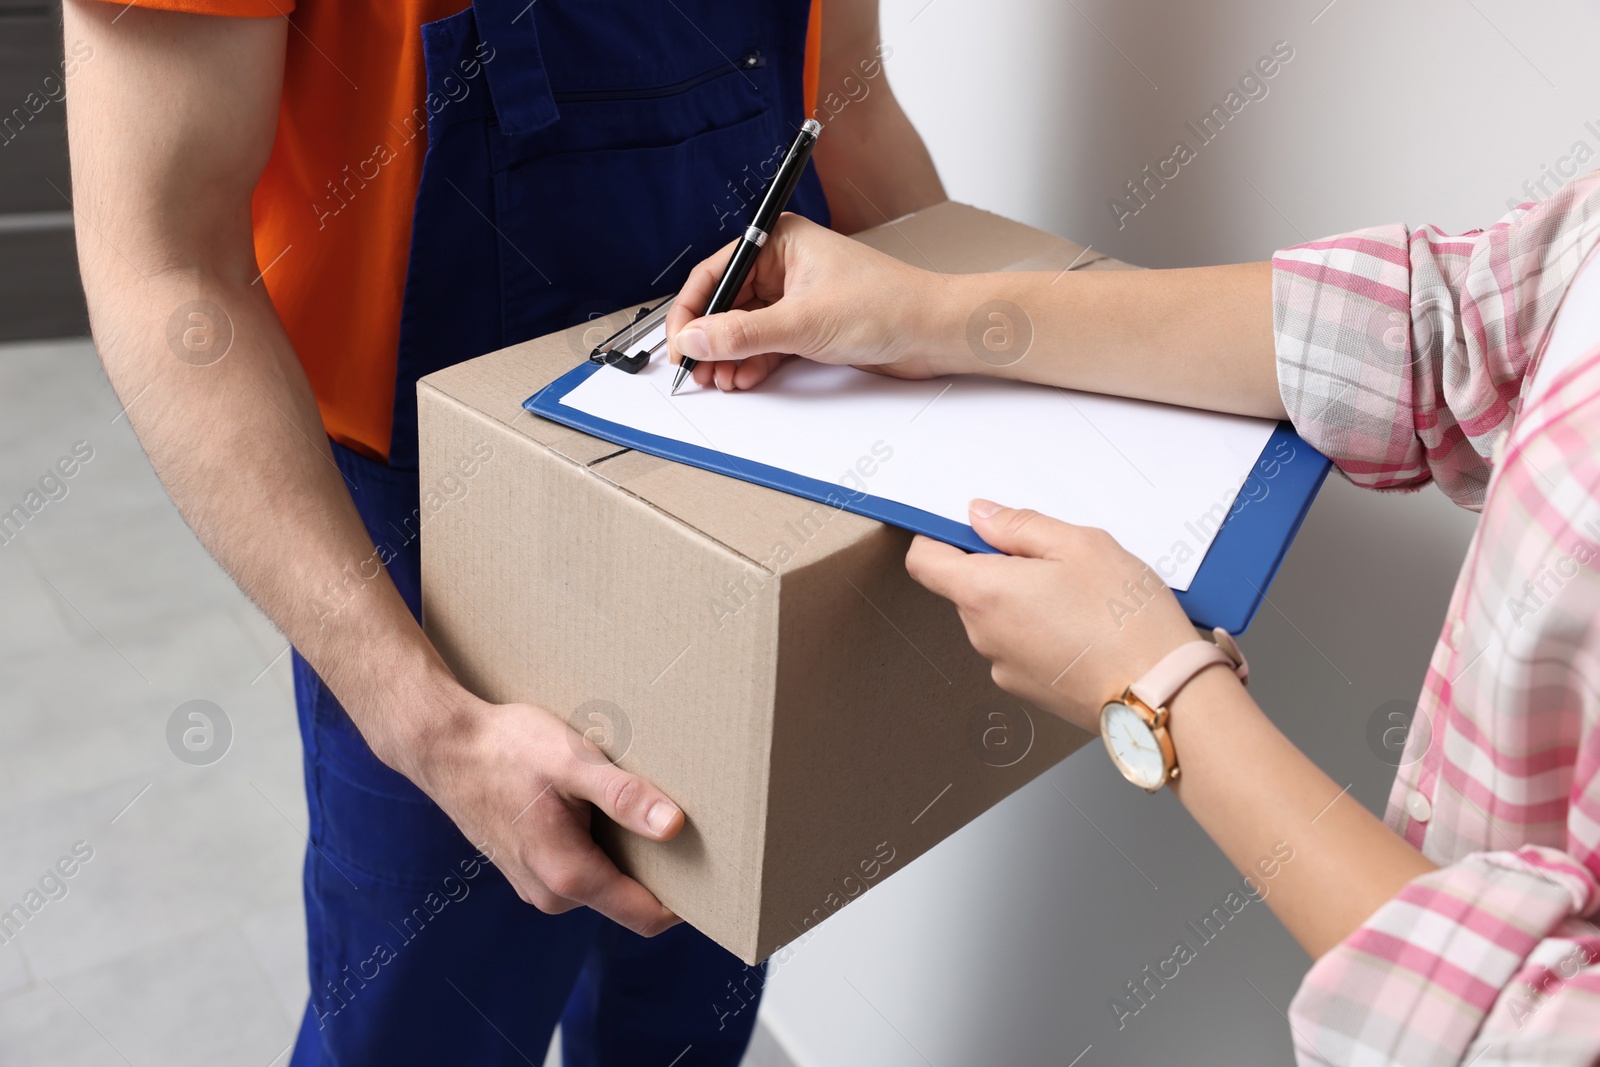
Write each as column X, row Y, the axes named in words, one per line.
column 240, row 447
column 872, row 162
column 1201, row 337
column 874, row 166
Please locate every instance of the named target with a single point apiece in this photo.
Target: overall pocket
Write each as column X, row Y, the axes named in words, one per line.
column 629, row 190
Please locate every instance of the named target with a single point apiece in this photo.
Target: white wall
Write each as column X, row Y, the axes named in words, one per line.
column 1004, row 945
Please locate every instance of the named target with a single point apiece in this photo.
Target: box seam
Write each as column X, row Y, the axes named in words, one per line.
column 589, row 468
column 652, row 505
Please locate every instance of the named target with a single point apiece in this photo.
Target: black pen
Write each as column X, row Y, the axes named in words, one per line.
column 755, row 234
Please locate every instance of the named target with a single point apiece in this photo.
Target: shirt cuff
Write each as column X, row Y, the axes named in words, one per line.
column 1415, row 982
column 1341, row 316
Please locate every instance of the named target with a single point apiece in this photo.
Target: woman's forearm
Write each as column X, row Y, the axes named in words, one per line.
column 1320, row 859
column 1200, row 337
column 1260, row 799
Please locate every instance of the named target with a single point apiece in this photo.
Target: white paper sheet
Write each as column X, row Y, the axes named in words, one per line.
column 1160, row 479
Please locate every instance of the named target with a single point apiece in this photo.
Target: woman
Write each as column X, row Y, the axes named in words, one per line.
column 1461, row 931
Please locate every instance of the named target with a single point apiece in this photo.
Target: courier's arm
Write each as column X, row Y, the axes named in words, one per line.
column 873, row 164
column 171, row 120
column 171, row 123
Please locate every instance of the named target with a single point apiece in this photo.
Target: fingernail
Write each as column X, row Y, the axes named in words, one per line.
column 981, row 507
column 692, row 342
column 660, row 816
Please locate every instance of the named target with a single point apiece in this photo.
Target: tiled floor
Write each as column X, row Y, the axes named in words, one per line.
column 180, row 940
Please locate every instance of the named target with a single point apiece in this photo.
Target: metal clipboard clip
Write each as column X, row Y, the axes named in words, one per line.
column 620, row 349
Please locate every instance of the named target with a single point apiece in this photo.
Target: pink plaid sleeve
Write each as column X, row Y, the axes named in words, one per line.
column 1402, row 355
column 1401, row 352
column 1487, row 961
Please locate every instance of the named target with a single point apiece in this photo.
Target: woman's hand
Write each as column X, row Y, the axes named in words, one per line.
column 1068, row 617
column 812, row 293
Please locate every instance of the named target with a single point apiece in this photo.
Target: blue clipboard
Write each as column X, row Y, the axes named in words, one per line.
column 1227, row 591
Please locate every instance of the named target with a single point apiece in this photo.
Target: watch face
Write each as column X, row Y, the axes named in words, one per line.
column 1133, row 745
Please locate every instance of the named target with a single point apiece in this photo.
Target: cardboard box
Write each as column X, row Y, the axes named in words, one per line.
column 763, row 659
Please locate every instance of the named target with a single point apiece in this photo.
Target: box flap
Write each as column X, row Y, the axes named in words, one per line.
column 496, row 384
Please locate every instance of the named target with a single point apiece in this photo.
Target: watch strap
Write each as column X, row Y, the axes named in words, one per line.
column 1226, row 642
column 1163, row 681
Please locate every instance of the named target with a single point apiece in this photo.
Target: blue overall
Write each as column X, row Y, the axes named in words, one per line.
column 582, row 156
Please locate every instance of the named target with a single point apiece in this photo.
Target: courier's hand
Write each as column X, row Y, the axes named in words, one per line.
column 812, row 293
column 520, row 783
column 1044, row 615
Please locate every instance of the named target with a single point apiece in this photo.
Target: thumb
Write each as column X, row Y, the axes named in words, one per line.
column 630, row 801
column 1017, row 531
column 742, row 334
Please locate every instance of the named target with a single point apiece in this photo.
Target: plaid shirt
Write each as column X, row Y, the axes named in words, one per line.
column 1404, row 355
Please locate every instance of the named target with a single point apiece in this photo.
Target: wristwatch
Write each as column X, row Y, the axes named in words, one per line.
column 1134, row 726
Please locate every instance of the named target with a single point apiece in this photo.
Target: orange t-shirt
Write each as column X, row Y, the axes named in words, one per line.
column 333, row 250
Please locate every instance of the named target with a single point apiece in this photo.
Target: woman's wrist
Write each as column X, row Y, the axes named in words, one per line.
column 1212, row 708
column 941, row 319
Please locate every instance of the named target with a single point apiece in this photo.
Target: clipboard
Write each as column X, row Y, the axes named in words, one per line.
column 1226, row 591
